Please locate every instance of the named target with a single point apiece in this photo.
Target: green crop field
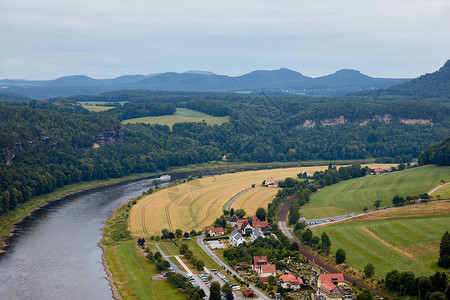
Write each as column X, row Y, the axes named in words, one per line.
column 409, row 243
column 443, row 193
column 355, row 194
column 182, row 115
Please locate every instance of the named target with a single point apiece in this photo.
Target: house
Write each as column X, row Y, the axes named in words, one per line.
column 252, row 219
column 246, row 228
column 249, row 293
column 241, row 267
column 266, row 271
column 329, row 291
column 334, row 278
column 236, row 238
column 376, row 171
column 263, row 225
column 258, row 261
column 216, row 231
column 290, row 281
column 329, row 286
column 256, row 233
column 271, row 182
column 232, row 220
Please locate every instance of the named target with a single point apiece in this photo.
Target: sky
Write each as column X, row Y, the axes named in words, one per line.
column 47, row 39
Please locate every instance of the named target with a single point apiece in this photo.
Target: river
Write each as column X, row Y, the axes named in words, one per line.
column 54, row 252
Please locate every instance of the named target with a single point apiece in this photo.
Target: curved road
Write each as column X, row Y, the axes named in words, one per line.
column 282, row 216
column 227, row 207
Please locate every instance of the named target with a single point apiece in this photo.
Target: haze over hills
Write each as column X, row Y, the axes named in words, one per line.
column 282, row 80
column 432, row 85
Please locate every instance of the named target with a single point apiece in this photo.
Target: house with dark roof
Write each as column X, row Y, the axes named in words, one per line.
column 256, row 233
column 290, row 281
column 232, row 220
column 246, row 228
column 236, row 238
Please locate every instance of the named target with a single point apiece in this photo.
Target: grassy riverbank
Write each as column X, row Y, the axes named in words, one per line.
column 129, row 269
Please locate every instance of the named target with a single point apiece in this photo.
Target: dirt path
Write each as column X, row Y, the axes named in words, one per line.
column 365, row 229
column 437, row 188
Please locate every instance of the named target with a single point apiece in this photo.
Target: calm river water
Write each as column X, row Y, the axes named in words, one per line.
column 54, row 254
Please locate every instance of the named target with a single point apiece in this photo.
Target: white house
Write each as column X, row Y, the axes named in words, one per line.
column 236, row 238
column 216, row 232
column 290, row 281
column 256, row 233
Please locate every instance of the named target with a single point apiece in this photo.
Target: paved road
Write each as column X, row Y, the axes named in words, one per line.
column 174, row 266
column 282, row 216
column 222, row 264
column 227, row 207
column 319, row 222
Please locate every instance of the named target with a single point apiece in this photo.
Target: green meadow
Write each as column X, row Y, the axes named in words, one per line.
column 355, row 194
column 418, row 237
column 182, row 115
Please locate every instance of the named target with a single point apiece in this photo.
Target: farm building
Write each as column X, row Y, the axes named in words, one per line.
column 271, row 182
column 376, row 171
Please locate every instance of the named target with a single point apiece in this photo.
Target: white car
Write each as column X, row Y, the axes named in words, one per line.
column 236, row 288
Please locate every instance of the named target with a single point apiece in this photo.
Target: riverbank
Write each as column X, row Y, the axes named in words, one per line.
column 9, row 220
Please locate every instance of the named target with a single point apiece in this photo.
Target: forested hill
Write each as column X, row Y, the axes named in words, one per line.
column 437, row 154
column 434, row 85
column 277, row 81
column 48, row 144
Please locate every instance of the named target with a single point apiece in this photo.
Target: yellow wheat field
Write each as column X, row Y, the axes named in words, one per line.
column 253, row 199
column 197, row 203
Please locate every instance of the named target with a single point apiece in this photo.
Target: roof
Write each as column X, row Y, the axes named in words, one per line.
column 249, row 292
column 332, row 278
column 236, row 235
column 291, row 279
column 327, row 287
column 242, row 220
column 260, row 224
column 254, row 219
column 268, row 268
column 220, row 229
column 257, row 232
column 259, row 259
column 231, row 218
column 245, row 224
column 377, row 169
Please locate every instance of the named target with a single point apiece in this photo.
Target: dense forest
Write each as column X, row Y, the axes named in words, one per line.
column 436, row 154
column 51, row 143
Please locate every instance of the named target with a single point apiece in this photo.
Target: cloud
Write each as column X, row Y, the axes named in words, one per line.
column 109, row 37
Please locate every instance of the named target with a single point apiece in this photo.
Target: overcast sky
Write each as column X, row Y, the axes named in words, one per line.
column 47, row 39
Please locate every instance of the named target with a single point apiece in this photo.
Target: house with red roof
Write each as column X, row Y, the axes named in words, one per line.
column 249, row 293
column 329, row 286
column 377, row 171
column 216, row 232
column 263, row 225
column 290, row 281
column 266, row 270
column 258, row 261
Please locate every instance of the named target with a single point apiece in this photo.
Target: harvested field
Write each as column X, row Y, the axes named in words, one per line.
column 254, row 199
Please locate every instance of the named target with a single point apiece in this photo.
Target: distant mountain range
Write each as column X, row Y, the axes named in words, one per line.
column 433, row 85
column 279, row 81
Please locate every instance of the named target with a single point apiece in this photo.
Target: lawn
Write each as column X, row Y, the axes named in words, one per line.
column 443, row 192
column 254, row 199
column 133, row 274
column 182, row 115
column 355, row 194
column 418, row 237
